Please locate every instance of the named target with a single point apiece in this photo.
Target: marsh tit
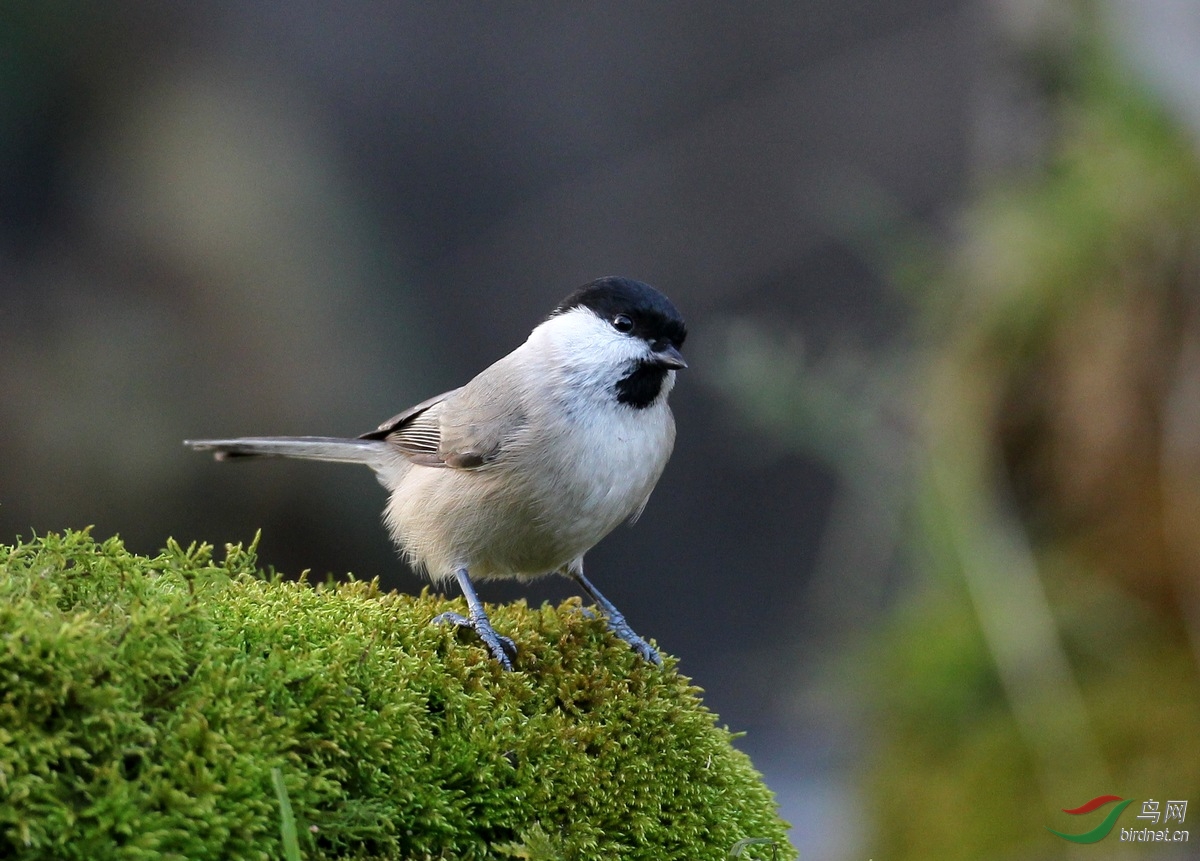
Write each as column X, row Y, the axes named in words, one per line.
column 525, row 468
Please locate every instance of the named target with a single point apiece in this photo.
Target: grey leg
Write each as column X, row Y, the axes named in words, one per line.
column 500, row 647
column 616, row 622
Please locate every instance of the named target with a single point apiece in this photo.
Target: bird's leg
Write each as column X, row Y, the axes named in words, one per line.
column 502, row 648
column 616, row 622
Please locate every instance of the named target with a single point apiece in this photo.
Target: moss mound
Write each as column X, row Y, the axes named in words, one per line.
column 145, row 702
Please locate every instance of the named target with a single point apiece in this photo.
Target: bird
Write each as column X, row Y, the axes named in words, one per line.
column 524, row 469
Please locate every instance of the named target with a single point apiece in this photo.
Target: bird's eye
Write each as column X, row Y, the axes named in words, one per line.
column 623, row 324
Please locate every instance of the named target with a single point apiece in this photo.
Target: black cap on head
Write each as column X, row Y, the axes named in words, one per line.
column 654, row 317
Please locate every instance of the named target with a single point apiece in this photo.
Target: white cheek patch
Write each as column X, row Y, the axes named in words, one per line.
column 583, row 342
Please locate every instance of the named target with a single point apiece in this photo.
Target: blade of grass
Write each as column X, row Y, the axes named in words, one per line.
column 287, row 822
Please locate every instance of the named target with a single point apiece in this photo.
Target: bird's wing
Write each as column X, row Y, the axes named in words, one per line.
column 466, row 428
column 416, row 431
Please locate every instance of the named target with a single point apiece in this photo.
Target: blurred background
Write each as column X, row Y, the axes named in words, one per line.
column 931, row 534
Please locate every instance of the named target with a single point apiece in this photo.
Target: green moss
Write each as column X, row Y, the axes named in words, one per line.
column 145, row 702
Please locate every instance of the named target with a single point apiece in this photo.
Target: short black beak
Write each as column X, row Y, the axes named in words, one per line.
column 670, row 357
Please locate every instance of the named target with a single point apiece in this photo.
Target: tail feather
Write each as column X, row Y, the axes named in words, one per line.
column 374, row 453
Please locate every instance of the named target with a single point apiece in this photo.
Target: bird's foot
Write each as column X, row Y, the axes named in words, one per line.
column 617, row 624
column 503, row 649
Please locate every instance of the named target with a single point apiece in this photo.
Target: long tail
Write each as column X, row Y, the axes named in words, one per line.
column 373, row 453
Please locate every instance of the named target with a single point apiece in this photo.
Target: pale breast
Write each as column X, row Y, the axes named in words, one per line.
column 541, row 508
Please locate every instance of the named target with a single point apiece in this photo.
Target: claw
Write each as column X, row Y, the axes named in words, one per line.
column 620, row 627
column 503, row 649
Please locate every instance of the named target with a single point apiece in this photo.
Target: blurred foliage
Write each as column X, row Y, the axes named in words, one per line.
column 1050, row 656
column 150, row 706
column 1031, row 449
